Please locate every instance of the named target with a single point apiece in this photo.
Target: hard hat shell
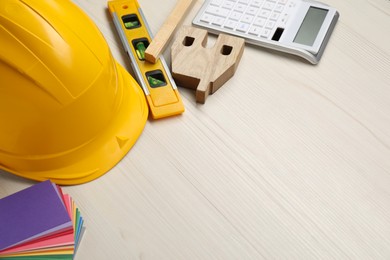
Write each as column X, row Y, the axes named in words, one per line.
column 68, row 111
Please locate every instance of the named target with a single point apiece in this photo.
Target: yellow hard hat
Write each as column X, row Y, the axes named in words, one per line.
column 68, row 111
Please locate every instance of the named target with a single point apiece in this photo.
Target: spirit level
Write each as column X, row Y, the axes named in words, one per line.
column 155, row 79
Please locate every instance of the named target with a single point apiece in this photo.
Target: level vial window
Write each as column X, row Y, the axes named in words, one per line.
column 156, row 78
column 140, row 46
column 131, row 21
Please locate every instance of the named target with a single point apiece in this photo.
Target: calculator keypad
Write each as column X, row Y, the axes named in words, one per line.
column 257, row 18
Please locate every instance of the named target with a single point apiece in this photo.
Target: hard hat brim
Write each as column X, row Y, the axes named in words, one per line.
column 104, row 152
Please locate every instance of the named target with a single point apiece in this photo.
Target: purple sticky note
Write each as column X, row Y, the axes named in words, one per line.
column 32, row 213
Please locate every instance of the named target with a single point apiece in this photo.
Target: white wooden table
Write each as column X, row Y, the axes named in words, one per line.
column 286, row 161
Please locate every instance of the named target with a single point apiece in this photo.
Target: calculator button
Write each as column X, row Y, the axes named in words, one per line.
column 247, row 18
column 216, row 2
column 269, row 5
column 255, row 30
column 265, row 33
column 228, row 5
column 270, row 24
column 257, row 3
column 274, row 16
column 252, row 10
column 240, row 8
column 259, row 21
column 207, row 18
column 264, row 13
column 235, row 16
column 218, row 21
column 279, row 8
column 231, row 24
column 243, row 27
column 217, row 11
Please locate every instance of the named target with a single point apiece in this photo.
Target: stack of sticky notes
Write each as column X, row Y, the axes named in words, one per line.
column 39, row 222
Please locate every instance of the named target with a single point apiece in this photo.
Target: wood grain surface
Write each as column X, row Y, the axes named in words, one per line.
column 286, row 161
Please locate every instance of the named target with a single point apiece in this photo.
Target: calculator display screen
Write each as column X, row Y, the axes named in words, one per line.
column 311, row 25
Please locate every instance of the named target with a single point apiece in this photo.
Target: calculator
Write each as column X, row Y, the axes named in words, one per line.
column 298, row 27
